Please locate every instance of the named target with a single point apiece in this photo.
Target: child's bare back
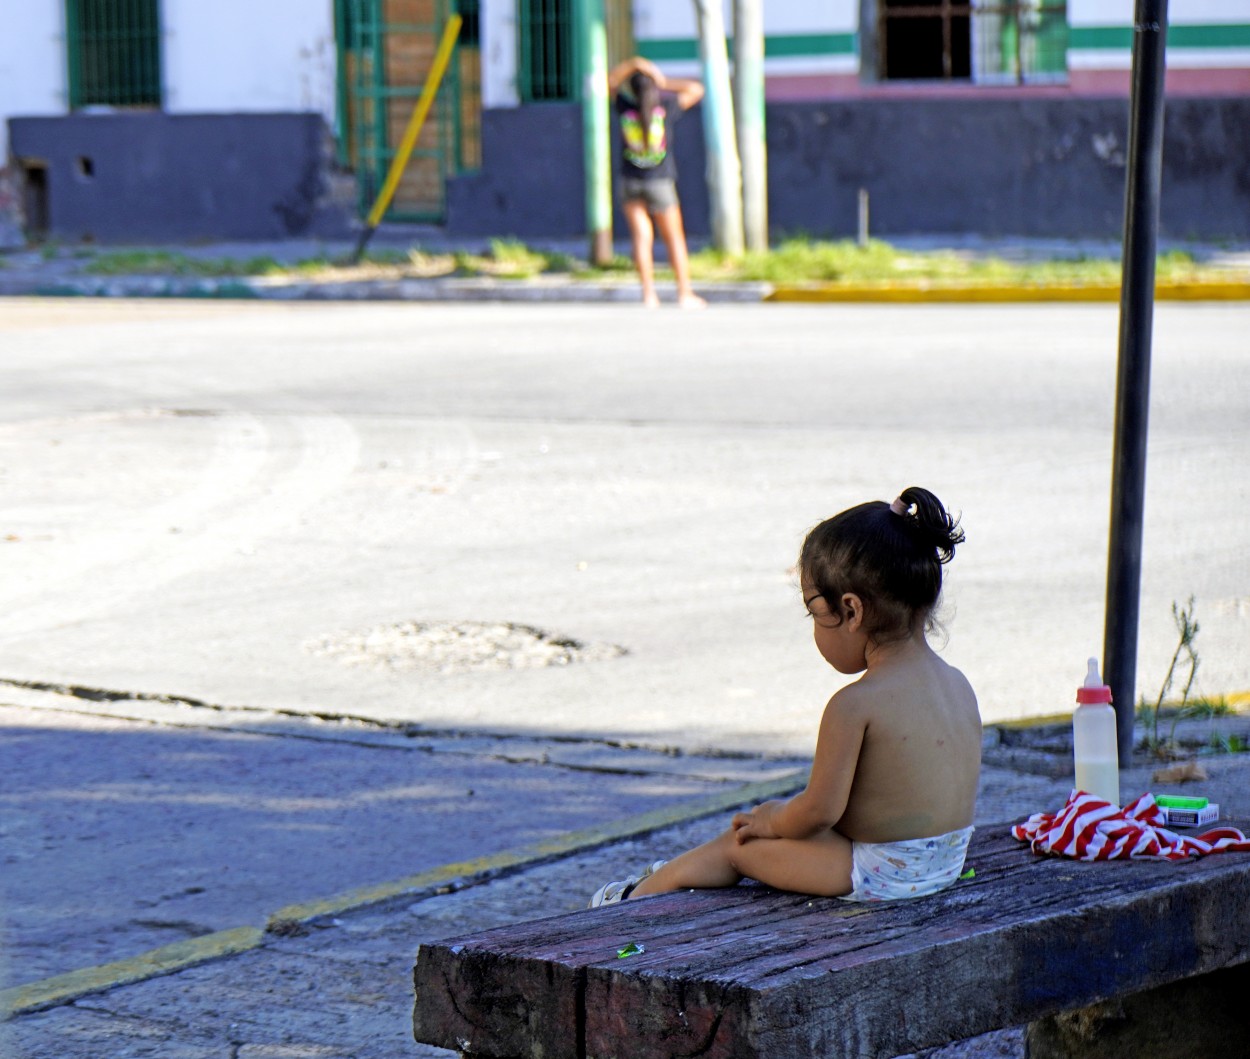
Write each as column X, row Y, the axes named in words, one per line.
column 917, row 770
column 887, row 810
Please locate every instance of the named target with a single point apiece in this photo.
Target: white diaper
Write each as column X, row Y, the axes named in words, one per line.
column 886, row 871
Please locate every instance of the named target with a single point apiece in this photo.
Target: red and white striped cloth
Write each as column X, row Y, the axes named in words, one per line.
column 1088, row 828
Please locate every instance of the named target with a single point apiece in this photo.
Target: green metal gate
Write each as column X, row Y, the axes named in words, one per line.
column 385, row 50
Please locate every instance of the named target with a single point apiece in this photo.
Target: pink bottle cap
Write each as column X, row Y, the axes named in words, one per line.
column 1093, row 690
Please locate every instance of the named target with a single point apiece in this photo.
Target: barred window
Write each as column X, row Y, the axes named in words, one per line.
column 471, row 30
column 114, row 53
column 987, row 41
column 547, row 37
column 546, row 45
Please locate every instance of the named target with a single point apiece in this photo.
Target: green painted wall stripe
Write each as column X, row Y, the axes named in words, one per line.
column 776, row 47
column 668, row 50
column 816, row 44
column 1121, row 37
column 1079, row 38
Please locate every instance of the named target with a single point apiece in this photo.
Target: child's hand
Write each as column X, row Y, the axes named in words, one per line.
column 646, row 66
column 755, row 824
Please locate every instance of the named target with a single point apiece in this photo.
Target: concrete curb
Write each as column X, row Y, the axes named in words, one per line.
column 169, row 959
column 921, row 292
column 540, row 289
column 559, row 290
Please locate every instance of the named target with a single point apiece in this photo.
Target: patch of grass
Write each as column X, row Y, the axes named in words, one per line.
column 800, row 260
column 506, row 259
column 1229, row 744
column 795, row 260
column 170, row 263
column 309, row 266
column 512, row 259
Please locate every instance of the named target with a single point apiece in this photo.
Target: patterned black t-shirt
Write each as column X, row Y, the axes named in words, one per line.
column 650, row 159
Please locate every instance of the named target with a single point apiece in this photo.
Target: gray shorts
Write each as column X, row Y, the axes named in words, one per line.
column 658, row 195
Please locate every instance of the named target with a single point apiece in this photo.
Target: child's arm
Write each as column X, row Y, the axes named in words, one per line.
column 624, row 70
column 688, row 90
column 821, row 805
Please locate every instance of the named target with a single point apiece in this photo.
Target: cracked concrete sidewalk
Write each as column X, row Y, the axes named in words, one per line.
column 334, row 980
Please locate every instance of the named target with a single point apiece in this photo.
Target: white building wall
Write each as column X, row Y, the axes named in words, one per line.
column 32, row 64
column 1180, row 12
column 231, row 56
column 227, row 56
column 499, row 53
column 1084, row 14
column 676, row 20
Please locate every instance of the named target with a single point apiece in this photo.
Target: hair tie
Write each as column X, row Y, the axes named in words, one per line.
column 898, row 506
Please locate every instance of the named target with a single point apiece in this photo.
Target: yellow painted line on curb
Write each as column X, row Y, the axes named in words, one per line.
column 61, row 989
column 538, row 852
column 155, row 962
column 1048, row 293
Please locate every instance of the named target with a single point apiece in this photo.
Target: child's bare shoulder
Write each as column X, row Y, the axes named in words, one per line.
column 906, row 693
column 851, row 705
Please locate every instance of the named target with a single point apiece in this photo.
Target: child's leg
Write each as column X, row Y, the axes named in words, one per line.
column 819, row 865
column 642, row 235
column 673, row 232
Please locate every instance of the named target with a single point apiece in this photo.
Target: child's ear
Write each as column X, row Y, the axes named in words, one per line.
column 852, row 611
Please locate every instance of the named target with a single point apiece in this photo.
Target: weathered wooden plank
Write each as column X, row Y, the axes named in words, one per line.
column 753, row 972
column 497, row 1005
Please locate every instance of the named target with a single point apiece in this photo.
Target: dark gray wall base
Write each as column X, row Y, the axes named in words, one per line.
column 994, row 167
column 532, row 181
column 11, row 212
column 164, row 178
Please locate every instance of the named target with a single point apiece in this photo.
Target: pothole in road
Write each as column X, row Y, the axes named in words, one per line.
column 460, row 647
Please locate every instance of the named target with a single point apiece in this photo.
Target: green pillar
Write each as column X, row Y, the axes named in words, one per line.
column 592, row 68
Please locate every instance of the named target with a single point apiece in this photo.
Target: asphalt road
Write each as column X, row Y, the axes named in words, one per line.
column 219, row 520
column 197, row 495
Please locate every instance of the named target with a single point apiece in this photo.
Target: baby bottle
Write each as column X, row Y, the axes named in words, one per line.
column 1094, row 745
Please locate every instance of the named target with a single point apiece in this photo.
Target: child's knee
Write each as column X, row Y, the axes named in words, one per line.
column 734, row 851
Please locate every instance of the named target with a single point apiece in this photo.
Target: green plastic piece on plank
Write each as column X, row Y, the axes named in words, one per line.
column 1175, row 801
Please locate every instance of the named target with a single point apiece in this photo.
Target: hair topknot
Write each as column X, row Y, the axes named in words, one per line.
column 889, row 555
column 924, row 515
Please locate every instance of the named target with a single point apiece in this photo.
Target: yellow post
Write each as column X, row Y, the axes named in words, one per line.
column 435, row 77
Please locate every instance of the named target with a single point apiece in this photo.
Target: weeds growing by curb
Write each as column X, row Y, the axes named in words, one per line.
column 794, row 261
column 1185, row 662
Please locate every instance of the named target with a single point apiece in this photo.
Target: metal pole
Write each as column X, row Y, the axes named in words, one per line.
column 724, row 173
column 592, row 60
column 1128, row 481
column 748, row 88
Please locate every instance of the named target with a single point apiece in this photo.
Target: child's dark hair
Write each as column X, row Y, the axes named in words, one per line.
column 647, row 92
column 890, row 555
